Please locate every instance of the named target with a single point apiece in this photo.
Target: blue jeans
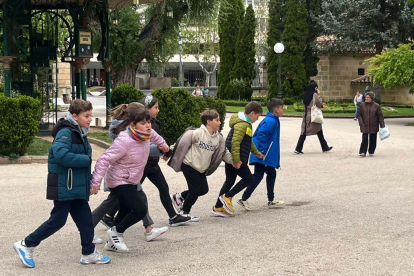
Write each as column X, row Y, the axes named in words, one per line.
column 81, row 214
column 259, row 171
column 356, row 111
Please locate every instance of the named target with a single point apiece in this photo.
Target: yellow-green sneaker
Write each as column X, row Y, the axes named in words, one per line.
column 227, row 204
column 275, row 204
column 220, row 212
column 244, row 204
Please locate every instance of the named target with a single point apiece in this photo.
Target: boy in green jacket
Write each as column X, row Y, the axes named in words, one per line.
column 239, row 143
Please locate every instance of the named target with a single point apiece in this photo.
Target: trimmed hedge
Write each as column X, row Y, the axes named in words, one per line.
column 20, row 119
column 125, row 94
column 180, row 110
column 240, row 103
column 212, row 103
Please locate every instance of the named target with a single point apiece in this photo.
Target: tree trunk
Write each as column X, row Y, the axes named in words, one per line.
column 125, row 75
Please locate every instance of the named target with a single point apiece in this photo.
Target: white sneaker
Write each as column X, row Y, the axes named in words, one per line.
column 97, row 240
column 177, row 201
column 117, row 239
column 155, row 233
column 192, row 218
column 25, row 253
column 95, row 258
column 275, row 204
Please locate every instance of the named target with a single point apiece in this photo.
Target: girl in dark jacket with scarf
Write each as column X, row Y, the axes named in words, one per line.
column 369, row 118
column 153, row 171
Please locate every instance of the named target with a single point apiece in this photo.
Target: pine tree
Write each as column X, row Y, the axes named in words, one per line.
column 244, row 66
column 310, row 58
column 274, row 35
column 294, row 38
column 230, row 18
column 362, row 25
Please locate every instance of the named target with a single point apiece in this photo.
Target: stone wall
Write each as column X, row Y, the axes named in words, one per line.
column 336, row 72
column 63, row 78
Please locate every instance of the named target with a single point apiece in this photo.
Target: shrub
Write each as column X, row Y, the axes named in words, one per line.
column 20, row 118
column 240, row 103
column 1, row 88
column 178, row 110
column 212, row 103
column 124, row 94
column 289, row 101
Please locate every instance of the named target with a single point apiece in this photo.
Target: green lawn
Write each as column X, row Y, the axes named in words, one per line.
column 290, row 111
column 39, row 147
column 103, row 136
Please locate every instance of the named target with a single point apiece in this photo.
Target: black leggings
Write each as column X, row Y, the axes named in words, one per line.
column 157, row 178
column 132, row 207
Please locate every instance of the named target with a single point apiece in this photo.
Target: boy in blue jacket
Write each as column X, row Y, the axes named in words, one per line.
column 267, row 140
column 68, row 185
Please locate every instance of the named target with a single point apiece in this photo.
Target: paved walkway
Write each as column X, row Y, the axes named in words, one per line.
column 345, row 215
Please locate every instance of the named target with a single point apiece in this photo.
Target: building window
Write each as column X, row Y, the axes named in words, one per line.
column 361, row 71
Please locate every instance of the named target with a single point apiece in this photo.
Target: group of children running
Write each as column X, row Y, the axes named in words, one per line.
column 134, row 155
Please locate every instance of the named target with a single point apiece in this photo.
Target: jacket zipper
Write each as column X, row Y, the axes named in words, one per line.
column 69, row 182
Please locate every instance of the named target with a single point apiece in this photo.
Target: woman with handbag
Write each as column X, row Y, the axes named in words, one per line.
column 370, row 118
column 310, row 99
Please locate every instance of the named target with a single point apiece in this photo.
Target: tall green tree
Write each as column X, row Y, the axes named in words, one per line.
column 294, row 38
column 230, row 18
column 361, row 25
column 243, row 68
column 274, row 35
column 310, row 57
column 148, row 37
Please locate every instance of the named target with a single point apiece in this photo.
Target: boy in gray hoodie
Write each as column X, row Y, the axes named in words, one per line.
column 197, row 155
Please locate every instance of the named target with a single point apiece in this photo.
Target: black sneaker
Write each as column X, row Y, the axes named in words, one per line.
column 327, row 149
column 298, row 152
column 108, row 221
column 179, row 220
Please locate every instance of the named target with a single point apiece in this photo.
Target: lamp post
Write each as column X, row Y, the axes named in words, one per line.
column 279, row 48
column 180, row 45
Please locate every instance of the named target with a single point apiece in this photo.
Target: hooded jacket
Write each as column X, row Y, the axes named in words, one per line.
column 200, row 150
column 124, row 161
column 239, row 140
column 69, row 162
column 267, row 139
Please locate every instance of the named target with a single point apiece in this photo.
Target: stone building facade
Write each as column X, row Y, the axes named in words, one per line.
column 341, row 75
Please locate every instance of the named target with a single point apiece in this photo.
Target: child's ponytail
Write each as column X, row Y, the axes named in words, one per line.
column 134, row 113
column 119, row 111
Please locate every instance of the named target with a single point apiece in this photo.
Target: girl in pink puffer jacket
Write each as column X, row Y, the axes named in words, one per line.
column 123, row 165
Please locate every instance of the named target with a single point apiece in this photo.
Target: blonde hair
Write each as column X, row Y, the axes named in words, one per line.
column 133, row 113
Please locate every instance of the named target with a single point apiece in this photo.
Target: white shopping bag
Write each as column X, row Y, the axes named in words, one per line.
column 384, row 133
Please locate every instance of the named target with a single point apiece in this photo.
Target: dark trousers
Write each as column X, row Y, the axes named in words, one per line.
column 231, row 175
column 81, row 214
column 372, row 143
column 108, row 206
column 259, row 171
column 322, row 141
column 132, row 207
column 159, row 181
column 197, row 186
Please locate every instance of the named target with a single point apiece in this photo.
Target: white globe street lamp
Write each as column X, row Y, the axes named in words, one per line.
column 279, row 48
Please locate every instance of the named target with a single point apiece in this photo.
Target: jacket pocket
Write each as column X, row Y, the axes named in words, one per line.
column 69, row 182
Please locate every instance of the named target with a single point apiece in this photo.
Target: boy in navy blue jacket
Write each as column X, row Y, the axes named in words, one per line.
column 267, row 140
column 68, row 185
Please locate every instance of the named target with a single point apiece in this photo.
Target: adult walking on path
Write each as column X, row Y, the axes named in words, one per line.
column 358, row 100
column 309, row 128
column 370, row 118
